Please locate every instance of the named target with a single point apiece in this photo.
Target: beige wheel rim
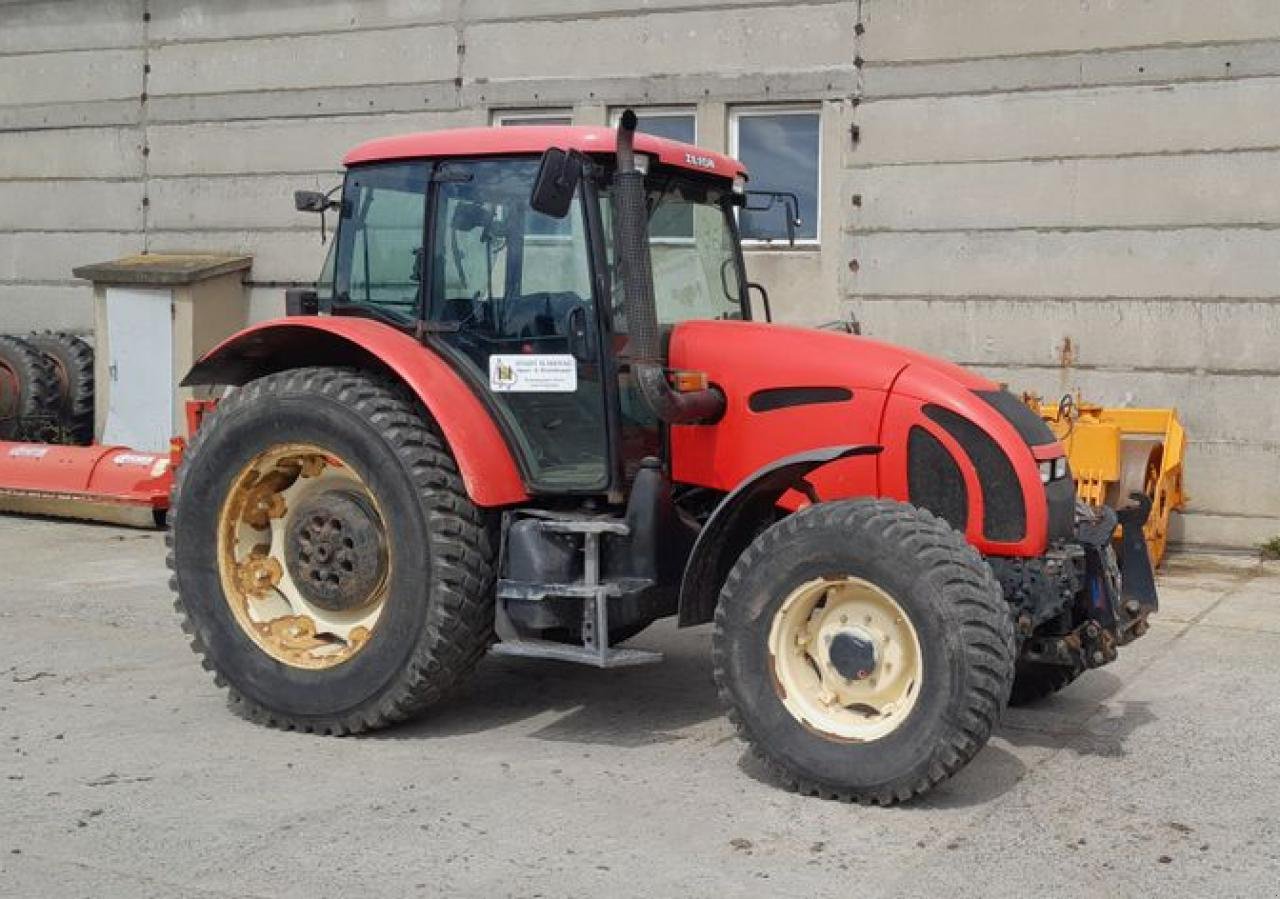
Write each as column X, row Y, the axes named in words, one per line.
column 274, row 565
column 846, row 659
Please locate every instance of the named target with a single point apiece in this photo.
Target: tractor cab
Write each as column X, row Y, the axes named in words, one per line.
column 445, row 237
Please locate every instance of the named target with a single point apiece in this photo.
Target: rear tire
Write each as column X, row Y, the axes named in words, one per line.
column 28, row 392
column 923, row 585
column 435, row 612
column 72, row 360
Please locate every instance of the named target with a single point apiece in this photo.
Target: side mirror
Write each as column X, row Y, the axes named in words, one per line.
column 312, row 201
column 765, row 200
column 557, row 181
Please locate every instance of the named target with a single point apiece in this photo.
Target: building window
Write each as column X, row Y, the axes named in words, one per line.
column 673, row 123
column 780, row 146
column 550, row 117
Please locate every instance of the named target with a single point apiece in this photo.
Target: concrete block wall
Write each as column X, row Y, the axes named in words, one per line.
column 1081, row 195
column 1063, row 194
column 129, row 125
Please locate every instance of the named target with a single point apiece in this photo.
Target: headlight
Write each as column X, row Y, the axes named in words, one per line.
column 1046, row 472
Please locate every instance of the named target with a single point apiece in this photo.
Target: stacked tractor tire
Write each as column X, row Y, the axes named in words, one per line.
column 46, row 388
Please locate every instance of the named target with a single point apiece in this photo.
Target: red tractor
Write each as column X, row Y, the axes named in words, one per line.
column 528, row 411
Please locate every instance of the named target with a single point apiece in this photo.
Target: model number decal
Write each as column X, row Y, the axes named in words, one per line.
column 702, row 162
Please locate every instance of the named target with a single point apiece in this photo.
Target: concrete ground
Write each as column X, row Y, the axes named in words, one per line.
column 123, row 773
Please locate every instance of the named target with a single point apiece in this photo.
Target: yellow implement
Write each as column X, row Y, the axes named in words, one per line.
column 1116, row 452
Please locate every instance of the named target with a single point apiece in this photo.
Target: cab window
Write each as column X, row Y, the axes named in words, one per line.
column 379, row 250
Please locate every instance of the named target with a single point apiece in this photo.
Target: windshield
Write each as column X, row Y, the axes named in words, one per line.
column 696, row 272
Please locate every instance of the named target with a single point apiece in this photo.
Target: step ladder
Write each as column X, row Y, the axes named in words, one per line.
column 595, row 649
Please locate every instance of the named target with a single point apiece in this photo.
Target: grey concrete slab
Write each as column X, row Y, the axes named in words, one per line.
column 122, row 772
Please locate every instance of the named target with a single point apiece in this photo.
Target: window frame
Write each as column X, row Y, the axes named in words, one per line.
column 657, row 112
column 363, row 309
column 736, row 114
column 500, row 117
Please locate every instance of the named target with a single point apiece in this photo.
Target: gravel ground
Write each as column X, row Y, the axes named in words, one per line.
column 122, row 772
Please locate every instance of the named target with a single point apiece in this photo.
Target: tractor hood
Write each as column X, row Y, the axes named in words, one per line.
column 792, row 390
column 751, row 356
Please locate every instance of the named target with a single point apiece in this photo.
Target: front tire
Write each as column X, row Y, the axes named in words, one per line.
column 864, row 650
column 369, row 604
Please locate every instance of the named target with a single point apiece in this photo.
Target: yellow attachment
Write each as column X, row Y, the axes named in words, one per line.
column 1115, row 452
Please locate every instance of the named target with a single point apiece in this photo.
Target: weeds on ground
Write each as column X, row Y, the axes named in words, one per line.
column 1270, row 549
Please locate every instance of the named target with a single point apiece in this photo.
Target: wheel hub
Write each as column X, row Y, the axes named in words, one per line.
column 852, row 653
column 846, row 659
column 335, row 550
column 304, row 556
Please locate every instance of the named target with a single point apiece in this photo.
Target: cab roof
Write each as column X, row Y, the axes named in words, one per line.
column 531, row 139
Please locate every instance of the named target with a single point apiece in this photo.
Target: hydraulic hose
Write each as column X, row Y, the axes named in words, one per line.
column 631, row 217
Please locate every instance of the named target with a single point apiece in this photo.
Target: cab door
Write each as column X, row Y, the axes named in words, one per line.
column 511, row 304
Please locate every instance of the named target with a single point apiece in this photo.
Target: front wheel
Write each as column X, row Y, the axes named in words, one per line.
column 329, row 566
column 864, row 650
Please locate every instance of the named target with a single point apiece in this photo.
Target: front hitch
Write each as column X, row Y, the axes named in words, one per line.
column 1115, row 596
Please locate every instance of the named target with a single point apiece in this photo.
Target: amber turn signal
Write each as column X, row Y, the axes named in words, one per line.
column 688, row 381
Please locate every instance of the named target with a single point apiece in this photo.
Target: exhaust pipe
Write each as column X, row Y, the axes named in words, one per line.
column 631, row 224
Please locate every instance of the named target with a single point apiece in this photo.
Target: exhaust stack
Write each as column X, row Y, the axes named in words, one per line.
column 631, row 218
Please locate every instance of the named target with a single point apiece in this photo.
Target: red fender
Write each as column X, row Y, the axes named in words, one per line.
column 486, row 463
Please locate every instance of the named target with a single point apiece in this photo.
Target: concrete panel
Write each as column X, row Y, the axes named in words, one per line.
column 476, row 10
column 1052, row 124
column 356, row 58
column 51, row 25
column 310, row 103
column 1242, row 409
column 798, row 290
column 97, row 114
column 944, row 29
column 30, row 307
column 1139, row 333
column 277, row 255
column 797, row 85
column 1191, row 262
column 1150, row 65
column 1197, row 189
column 1224, row 479
column 84, row 153
column 1195, row 529
column 281, row 145
column 199, row 20
column 175, row 20
column 50, row 256
column 265, row 303
column 261, row 201
column 663, row 43
column 83, row 76
column 71, row 205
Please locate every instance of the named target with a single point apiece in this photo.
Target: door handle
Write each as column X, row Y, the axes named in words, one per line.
column 578, row 334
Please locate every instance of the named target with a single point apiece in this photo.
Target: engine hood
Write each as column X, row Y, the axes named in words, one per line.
column 760, row 355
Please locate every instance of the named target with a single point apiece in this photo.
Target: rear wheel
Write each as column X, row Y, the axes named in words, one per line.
column 28, row 392
column 329, row 566
column 864, row 650
column 72, row 361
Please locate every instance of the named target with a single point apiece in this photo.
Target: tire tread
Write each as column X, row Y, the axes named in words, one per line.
column 459, row 623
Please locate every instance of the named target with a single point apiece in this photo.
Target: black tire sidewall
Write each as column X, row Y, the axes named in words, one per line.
column 902, row 756
column 239, row 436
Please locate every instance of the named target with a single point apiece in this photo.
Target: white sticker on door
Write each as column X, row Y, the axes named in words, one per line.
column 533, row 374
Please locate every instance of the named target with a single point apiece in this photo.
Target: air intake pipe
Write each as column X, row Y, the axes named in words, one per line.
column 631, row 223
